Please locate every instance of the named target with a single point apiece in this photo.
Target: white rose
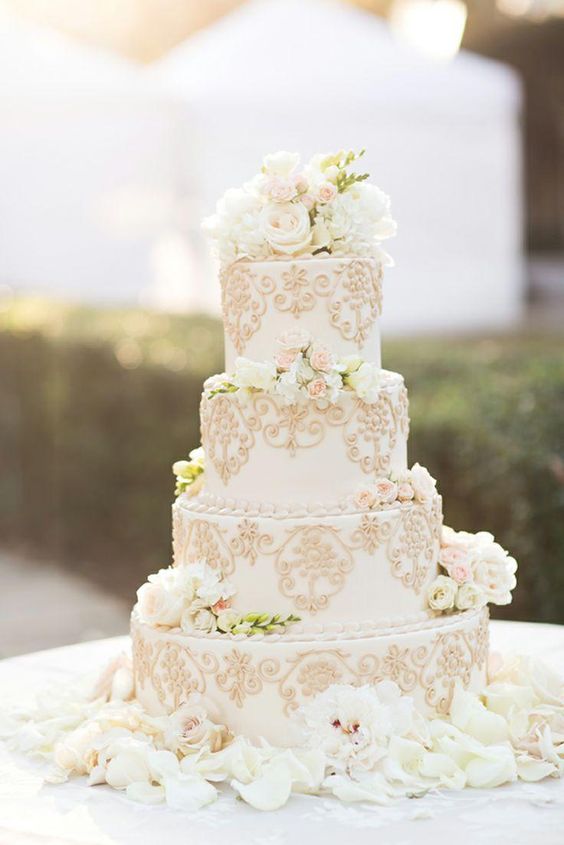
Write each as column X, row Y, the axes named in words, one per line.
column 442, row 593
column 365, row 381
column 469, row 596
column 157, row 606
column 423, row 484
column 198, row 617
column 286, row 227
column 281, row 163
column 494, row 571
column 254, row 374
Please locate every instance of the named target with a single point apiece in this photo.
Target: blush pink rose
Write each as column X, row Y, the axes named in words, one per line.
column 460, row 572
column 280, row 190
column 308, row 201
column 317, row 388
column 386, row 491
column 321, row 359
column 285, row 358
column 300, row 183
column 364, row 499
column 405, row 492
column 326, row 192
column 453, row 556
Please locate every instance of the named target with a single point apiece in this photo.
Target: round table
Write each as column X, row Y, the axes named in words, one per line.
column 521, row 813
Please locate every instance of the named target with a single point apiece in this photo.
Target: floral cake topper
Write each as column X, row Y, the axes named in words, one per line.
column 289, row 210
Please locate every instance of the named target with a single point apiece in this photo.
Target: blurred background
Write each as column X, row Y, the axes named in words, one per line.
column 122, row 121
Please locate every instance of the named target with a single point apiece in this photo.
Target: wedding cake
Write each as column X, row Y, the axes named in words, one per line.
column 307, row 552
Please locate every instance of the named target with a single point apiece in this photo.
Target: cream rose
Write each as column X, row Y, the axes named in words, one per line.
column 189, row 729
column 286, row 227
column 158, row 606
column 321, row 358
column 365, row 381
column 423, row 484
column 441, row 594
column 254, row 374
column 469, row 596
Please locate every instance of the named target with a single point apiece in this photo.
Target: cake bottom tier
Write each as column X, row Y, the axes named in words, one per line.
column 256, row 685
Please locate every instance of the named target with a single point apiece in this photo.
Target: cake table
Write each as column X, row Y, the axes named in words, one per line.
column 521, row 813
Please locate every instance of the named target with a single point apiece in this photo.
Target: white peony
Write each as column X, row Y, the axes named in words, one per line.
column 442, row 592
column 423, row 483
column 365, row 381
column 352, row 726
column 254, row 374
column 286, row 227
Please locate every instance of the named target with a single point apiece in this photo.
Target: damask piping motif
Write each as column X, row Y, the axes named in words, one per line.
column 174, row 670
column 351, row 290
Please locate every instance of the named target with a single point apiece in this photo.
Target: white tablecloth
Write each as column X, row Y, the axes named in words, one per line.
column 518, row 814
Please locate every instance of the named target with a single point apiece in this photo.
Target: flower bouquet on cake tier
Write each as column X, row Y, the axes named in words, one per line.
column 376, row 709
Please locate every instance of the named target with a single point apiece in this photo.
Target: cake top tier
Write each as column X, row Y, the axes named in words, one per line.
column 300, row 247
column 291, row 210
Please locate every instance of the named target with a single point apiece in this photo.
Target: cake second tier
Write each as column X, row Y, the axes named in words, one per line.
column 260, row 449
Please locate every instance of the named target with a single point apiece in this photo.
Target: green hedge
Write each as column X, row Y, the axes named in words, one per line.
column 96, row 404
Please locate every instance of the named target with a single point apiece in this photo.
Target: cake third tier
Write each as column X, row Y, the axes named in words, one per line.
column 339, row 572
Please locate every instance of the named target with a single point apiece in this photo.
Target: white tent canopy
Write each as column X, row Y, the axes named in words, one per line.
column 442, row 139
column 87, row 168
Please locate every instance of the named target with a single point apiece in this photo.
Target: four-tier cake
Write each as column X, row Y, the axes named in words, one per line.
column 307, row 551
